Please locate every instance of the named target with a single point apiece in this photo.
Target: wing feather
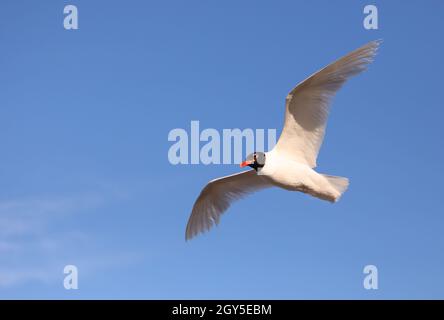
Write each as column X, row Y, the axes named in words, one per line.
column 217, row 196
column 307, row 105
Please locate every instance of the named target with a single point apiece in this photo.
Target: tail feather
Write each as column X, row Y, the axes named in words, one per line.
column 339, row 184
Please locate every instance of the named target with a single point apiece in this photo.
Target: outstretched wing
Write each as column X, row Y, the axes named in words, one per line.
column 217, row 196
column 307, row 105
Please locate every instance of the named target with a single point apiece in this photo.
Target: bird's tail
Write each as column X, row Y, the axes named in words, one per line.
column 339, row 184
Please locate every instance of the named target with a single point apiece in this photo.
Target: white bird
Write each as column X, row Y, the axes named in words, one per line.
column 289, row 165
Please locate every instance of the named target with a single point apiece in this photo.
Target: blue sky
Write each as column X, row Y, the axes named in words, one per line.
column 85, row 177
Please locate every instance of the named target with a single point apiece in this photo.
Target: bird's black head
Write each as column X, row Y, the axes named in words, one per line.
column 254, row 160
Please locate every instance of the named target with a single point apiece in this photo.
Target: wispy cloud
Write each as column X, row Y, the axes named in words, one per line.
column 33, row 249
column 14, row 276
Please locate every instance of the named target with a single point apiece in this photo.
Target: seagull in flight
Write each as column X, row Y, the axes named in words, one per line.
column 290, row 164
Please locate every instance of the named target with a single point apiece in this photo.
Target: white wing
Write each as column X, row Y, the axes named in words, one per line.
column 217, row 196
column 307, row 105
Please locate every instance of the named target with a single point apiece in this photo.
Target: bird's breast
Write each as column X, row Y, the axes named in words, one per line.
column 286, row 174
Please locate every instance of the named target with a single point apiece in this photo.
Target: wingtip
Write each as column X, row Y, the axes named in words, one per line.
column 188, row 236
column 376, row 44
column 370, row 50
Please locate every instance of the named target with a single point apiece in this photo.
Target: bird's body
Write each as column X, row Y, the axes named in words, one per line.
column 290, row 164
column 295, row 176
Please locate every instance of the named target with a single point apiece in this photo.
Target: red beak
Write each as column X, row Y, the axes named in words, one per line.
column 245, row 163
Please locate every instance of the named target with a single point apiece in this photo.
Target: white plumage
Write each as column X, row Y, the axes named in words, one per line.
column 289, row 165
